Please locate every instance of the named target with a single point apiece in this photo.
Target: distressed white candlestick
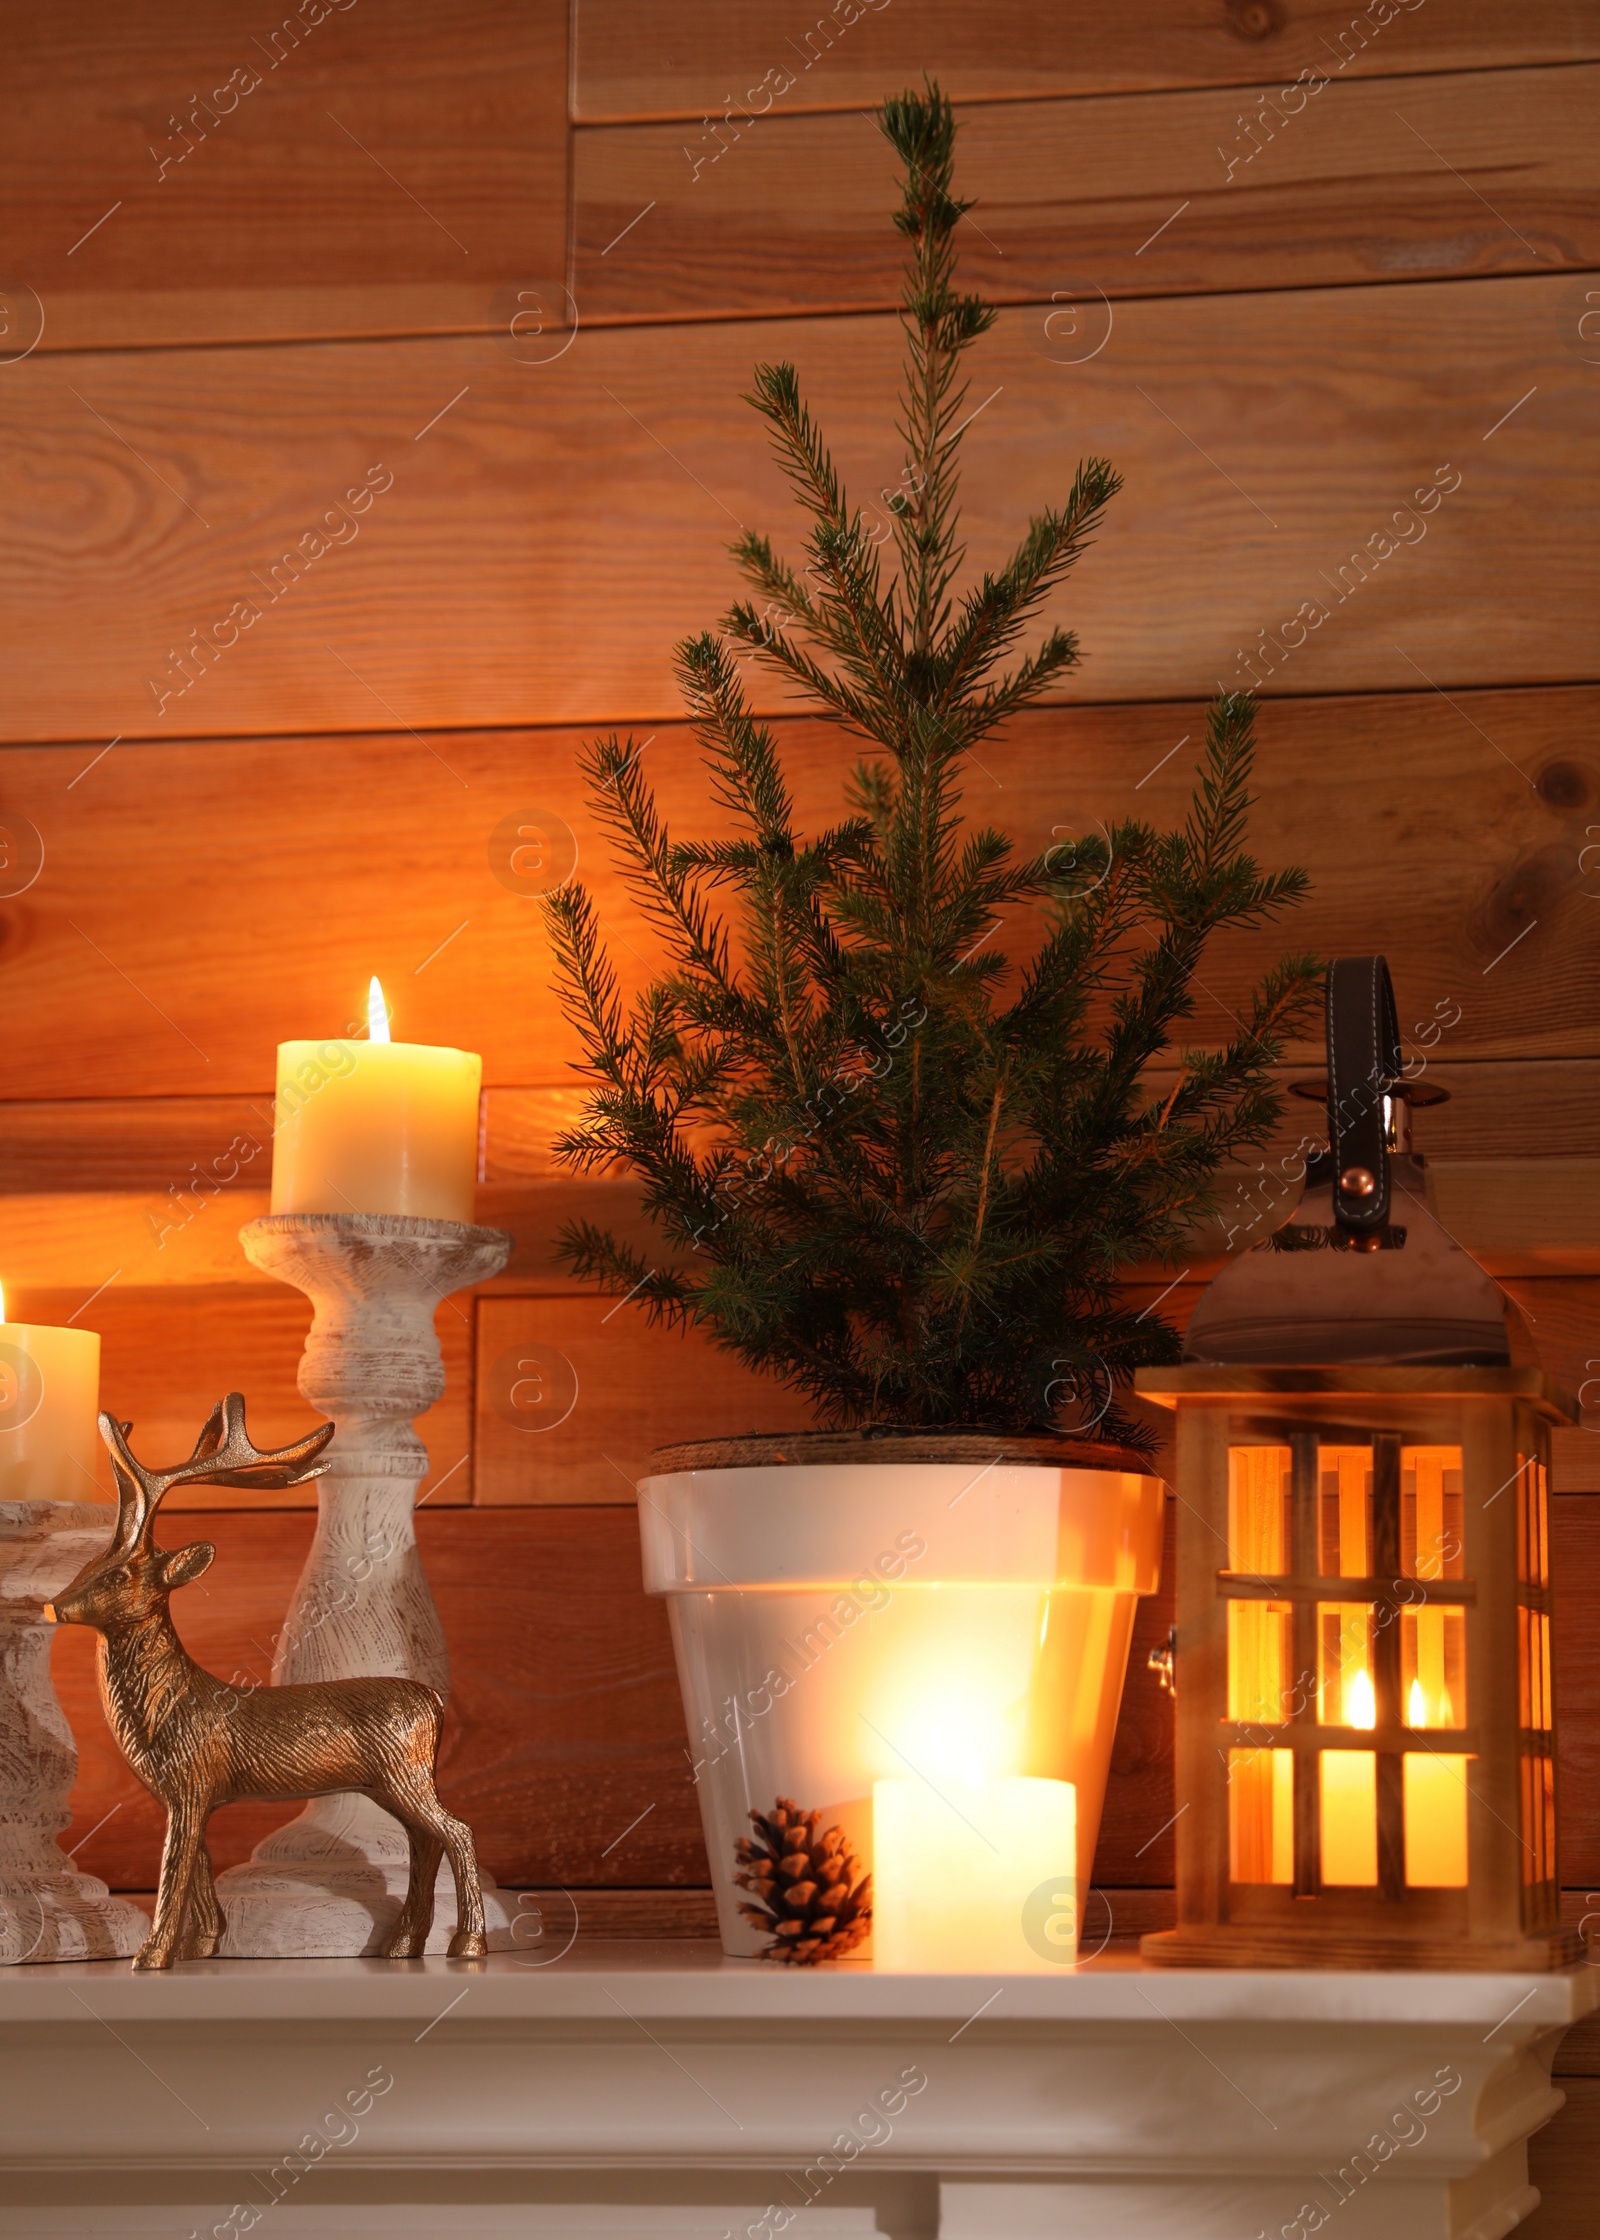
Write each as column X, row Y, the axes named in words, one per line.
column 48, row 1909
column 329, row 1884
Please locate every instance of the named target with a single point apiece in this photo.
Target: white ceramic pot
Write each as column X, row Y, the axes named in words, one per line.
column 836, row 1623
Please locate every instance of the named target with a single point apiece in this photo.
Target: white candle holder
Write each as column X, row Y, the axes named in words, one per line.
column 330, row 1883
column 49, row 1910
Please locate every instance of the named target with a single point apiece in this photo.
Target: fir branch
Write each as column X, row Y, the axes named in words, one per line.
column 890, row 1162
column 994, row 612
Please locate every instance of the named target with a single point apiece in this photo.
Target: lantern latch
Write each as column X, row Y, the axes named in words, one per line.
column 1363, row 1070
column 1163, row 1662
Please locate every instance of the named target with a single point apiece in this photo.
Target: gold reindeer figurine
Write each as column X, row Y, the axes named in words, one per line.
column 196, row 1743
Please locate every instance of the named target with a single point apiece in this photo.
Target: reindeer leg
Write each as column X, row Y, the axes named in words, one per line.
column 205, row 1912
column 410, row 1797
column 408, row 1939
column 186, row 1821
column 470, row 1941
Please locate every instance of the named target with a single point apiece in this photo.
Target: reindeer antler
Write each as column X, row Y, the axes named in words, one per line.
column 136, row 1495
column 224, row 1455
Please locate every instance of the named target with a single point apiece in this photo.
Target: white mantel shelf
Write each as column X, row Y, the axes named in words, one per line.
column 634, row 2090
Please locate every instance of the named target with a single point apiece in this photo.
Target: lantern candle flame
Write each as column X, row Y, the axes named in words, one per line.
column 1417, row 1713
column 377, row 1013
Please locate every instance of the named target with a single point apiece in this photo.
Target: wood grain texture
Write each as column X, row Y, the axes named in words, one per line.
column 1518, row 1217
column 1562, row 2164
column 629, row 1387
column 1562, row 1334
column 1499, row 1110
column 168, row 1356
column 1333, row 181
column 1534, row 1217
column 388, row 170
column 1575, row 1572
column 147, row 1144
column 640, row 58
column 1522, row 1112
column 566, row 1722
column 227, row 1621
column 182, row 953
column 1519, row 1128
column 1563, row 1320
column 573, row 1394
column 168, row 1353
column 540, row 550
column 1579, row 2052
column 568, row 521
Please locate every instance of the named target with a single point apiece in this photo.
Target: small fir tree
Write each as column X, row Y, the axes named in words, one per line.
column 891, row 1169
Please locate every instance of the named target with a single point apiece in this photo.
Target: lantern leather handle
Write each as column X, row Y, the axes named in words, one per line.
column 1363, row 1064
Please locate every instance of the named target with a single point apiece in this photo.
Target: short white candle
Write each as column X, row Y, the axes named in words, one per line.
column 376, row 1126
column 955, row 1865
column 49, row 1394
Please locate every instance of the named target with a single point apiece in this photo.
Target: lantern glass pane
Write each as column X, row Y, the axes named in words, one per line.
column 1533, row 1660
column 1433, row 1667
column 1258, row 1510
column 1533, row 1523
column 1260, row 1644
column 1344, row 1511
column 1538, row 1818
column 1430, row 1512
column 1261, row 1815
column 1349, row 1817
column 1345, row 1696
column 1436, row 1821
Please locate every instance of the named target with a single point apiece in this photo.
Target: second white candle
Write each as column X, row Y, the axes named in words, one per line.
column 955, row 1866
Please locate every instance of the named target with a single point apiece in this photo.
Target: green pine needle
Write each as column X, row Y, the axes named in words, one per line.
column 894, row 1163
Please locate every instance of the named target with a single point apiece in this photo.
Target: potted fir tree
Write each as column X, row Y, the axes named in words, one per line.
column 899, row 1171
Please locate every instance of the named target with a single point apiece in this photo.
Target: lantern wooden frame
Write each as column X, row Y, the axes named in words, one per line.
column 1504, row 1912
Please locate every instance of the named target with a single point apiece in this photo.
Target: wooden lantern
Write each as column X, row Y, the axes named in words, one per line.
column 1366, row 1746
column 1365, row 1732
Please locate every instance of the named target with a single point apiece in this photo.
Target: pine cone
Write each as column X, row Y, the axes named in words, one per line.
column 813, row 1898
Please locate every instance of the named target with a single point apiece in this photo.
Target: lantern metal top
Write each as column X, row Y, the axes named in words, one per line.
column 1362, row 1272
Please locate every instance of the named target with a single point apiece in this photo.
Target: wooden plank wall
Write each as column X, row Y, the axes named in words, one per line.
column 1287, row 265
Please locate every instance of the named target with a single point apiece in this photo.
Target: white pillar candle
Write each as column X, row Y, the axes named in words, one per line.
column 376, row 1126
column 49, row 1396
column 955, row 1866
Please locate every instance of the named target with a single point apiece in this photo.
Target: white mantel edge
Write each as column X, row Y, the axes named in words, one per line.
column 1108, row 2102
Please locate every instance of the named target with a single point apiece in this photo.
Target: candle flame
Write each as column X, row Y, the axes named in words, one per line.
column 1417, row 1708
column 2, row 1302
column 377, row 1013
column 1361, row 1705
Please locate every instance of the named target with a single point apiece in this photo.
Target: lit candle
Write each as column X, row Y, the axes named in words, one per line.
column 1350, row 1793
column 1435, row 1800
column 954, row 1868
column 49, row 1397
column 376, row 1126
